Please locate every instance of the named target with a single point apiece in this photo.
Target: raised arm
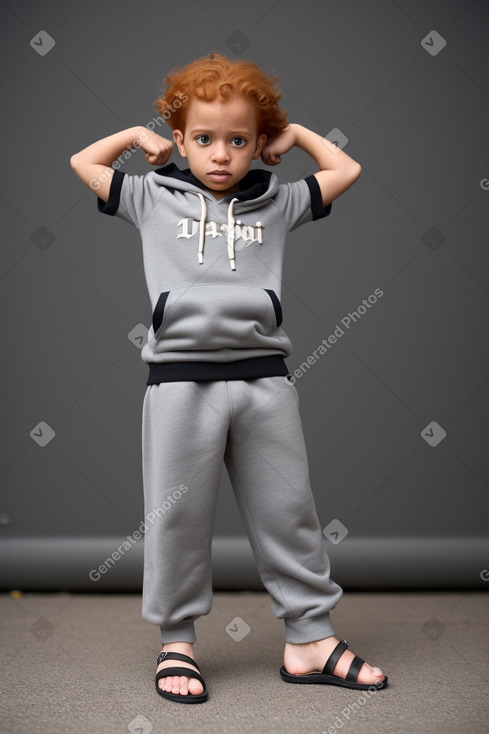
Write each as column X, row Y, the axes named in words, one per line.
column 337, row 170
column 93, row 165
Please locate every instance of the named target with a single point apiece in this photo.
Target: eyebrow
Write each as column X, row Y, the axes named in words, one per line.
column 207, row 130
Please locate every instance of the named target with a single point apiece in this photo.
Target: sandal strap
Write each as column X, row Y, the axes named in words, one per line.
column 334, row 657
column 179, row 672
column 175, row 656
column 354, row 669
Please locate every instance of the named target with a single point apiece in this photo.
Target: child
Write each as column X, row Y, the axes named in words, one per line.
column 213, row 239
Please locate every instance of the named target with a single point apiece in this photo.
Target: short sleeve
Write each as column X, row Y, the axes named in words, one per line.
column 130, row 197
column 301, row 202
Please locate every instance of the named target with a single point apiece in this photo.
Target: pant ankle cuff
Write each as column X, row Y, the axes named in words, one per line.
column 178, row 633
column 298, row 631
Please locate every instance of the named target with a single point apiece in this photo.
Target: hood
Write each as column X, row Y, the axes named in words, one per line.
column 255, row 190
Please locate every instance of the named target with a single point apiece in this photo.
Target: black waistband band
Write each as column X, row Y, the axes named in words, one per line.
column 242, row 369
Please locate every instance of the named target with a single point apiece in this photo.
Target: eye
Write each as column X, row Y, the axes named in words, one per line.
column 203, row 142
column 239, row 141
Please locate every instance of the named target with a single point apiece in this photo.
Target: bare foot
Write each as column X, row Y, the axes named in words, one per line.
column 310, row 657
column 179, row 683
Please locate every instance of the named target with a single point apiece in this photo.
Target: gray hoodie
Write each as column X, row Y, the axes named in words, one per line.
column 213, row 269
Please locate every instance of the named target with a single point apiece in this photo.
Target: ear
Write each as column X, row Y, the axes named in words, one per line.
column 178, row 138
column 260, row 144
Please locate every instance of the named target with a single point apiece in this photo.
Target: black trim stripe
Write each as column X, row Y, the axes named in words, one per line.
column 159, row 311
column 112, row 204
column 276, row 306
column 318, row 210
column 242, row 369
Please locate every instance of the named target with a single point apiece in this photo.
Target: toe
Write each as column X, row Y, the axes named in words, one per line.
column 369, row 675
column 195, row 687
column 176, row 684
column 166, row 684
column 181, row 685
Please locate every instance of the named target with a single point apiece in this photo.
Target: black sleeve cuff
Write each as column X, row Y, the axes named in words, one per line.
column 318, row 210
column 112, row 204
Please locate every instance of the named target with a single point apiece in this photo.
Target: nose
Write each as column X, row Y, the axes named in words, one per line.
column 220, row 152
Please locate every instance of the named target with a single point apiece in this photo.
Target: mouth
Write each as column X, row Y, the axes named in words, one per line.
column 219, row 176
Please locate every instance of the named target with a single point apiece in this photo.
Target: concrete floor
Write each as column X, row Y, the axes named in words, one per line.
column 85, row 663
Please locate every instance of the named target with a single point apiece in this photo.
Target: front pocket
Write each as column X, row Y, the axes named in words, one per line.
column 159, row 310
column 276, row 306
column 217, row 317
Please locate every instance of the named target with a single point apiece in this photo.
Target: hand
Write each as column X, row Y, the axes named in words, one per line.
column 157, row 150
column 276, row 147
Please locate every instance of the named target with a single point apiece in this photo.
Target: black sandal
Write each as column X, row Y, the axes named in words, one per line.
column 327, row 677
column 187, row 672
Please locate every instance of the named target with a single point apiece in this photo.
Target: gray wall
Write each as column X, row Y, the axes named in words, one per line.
column 414, row 225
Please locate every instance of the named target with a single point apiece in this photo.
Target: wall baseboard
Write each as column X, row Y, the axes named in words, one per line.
column 371, row 564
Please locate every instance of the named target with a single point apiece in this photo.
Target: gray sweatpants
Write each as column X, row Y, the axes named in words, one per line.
column 254, row 426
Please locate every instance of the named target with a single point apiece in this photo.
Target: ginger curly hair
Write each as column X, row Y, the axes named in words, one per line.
column 215, row 74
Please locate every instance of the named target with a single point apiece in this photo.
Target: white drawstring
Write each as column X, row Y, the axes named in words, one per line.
column 231, row 235
column 203, row 213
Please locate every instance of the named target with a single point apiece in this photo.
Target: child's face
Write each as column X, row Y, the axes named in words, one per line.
column 220, row 136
